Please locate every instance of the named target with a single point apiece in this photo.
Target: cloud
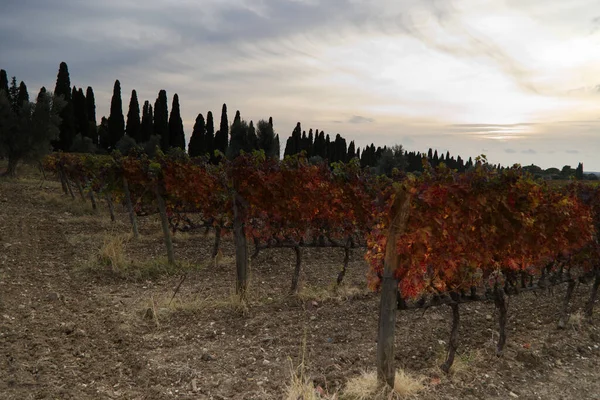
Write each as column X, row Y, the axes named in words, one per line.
column 510, row 151
column 496, row 132
column 443, row 71
column 359, row 119
column 529, row 151
column 407, row 141
column 595, row 25
column 572, row 151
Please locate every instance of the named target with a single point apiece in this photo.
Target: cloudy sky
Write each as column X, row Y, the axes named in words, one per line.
column 517, row 80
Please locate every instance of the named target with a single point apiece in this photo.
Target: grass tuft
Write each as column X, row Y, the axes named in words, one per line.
column 112, row 253
column 576, row 320
column 366, row 387
column 463, row 365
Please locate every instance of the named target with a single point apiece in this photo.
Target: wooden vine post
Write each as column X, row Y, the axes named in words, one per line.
column 80, row 189
column 241, row 248
column 502, row 306
column 217, row 242
column 164, row 222
column 93, row 200
column 453, row 342
column 589, row 306
column 132, row 218
column 342, row 273
column 66, row 182
column 111, row 208
column 297, row 269
column 389, row 290
column 63, row 182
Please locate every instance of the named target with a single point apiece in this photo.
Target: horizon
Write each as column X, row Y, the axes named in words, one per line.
column 518, row 81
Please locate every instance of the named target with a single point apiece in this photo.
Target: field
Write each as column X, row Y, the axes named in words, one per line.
column 86, row 312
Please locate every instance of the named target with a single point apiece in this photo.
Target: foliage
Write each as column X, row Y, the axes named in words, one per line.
column 478, row 229
column 26, row 136
column 482, row 228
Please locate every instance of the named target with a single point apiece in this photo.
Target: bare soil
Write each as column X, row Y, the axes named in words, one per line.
column 70, row 328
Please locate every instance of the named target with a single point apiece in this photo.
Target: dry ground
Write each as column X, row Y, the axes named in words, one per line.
column 74, row 327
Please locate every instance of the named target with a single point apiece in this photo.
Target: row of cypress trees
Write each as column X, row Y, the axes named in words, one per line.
column 79, row 131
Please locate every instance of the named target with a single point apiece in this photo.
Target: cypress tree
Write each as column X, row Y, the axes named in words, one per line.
column 147, row 127
column 289, row 147
column 222, row 135
column 13, row 95
column 266, row 138
column 303, row 142
column 103, row 134
column 277, row 147
column 134, row 124
column 161, row 120
column 579, row 171
column 176, row 135
column 82, row 125
column 322, row 146
column 239, row 137
column 3, row 81
column 316, row 145
column 116, row 121
column 460, row 164
column 198, row 139
column 90, row 104
column 339, row 149
column 63, row 82
column 294, row 142
column 84, row 117
column 209, row 138
column 22, row 97
column 90, row 108
column 41, row 94
column 311, row 140
column 252, row 138
column 351, row 151
column 67, row 126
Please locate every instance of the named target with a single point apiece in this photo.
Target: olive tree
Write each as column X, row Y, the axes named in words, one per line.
column 26, row 135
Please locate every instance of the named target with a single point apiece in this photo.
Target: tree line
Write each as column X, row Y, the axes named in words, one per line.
column 152, row 126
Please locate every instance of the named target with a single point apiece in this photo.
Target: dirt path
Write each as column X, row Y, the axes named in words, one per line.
column 69, row 333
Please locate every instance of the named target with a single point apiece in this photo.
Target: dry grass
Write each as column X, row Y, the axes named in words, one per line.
column 112, row 257
column 577, row 320
column 161, row 306
column 464, row 362
column 234, row 302
column 335, row 293
column 25, row 171
column 61, row 203
column 300, row 385
column 366, row 387
column 112, row 253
